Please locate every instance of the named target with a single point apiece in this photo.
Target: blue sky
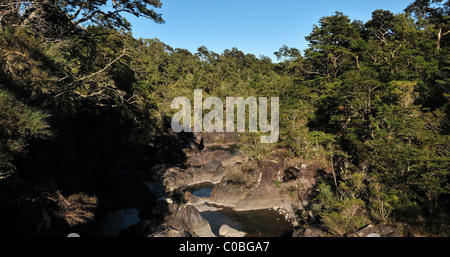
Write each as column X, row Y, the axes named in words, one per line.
column 259, row 27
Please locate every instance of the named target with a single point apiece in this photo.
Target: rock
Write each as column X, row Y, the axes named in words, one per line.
column 314, row 231
column 211, row 172
column 364, row 232
column 162, row 230
column 227, row 231
column 203, row 158
column 239, row 157
column 380, row 230
column 222, row 138
column 310, row 231
column 202, row 204
column 390, row 230
column 158, row 234
column 367, row 230
column 189, row 218
column 387, row 229
column 206, row 208
column 176, row 233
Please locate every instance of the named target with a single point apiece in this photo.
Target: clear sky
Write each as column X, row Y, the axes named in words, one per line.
column 259, row 27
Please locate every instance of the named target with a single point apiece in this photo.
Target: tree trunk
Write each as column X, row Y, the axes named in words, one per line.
column 440, row 36
column 334, row 175
column 439, row 39
column 357, row 61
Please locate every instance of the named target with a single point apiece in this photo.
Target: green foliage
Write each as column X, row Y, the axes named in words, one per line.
column 340, row 215
column 55, row 19
column 381, row 202
column 18, row 124
column 277, row 183
column 385, row 113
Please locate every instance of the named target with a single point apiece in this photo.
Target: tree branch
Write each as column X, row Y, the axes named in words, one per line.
column 396, row 49
column 73, row 16
column 448, row 32
column 106, row 67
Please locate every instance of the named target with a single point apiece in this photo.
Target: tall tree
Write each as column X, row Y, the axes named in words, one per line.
column 332, row 45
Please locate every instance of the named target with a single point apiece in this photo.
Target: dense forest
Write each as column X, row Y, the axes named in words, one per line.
column 369, row 101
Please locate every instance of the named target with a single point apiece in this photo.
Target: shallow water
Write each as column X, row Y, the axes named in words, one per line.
column 201, row 190
column 259, row 223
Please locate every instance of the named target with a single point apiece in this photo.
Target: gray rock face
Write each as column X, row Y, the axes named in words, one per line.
column 189, row 218
column 199, row 160
column 212, row 172
column 243, row 185
column 227, row 231
column 237, row 158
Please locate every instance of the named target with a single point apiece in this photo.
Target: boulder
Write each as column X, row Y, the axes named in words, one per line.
column 366, row 231
column 390, row 230
column 227, row 231
column 188, row 218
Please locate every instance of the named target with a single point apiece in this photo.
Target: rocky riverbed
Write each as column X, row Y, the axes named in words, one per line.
column 236, row 188
column 220, row 192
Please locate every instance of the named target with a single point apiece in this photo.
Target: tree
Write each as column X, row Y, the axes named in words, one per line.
column 203, row 54
column 434, row 13
column 381, row 25
column 287, row 53
column 332, row 46
column 57, row 18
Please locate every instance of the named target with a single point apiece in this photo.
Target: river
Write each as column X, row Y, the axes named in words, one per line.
column 257, row 223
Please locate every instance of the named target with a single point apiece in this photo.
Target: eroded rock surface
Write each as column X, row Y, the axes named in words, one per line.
column 277, row 183
column 189, row 218
column 227, row 231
